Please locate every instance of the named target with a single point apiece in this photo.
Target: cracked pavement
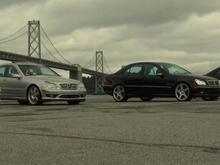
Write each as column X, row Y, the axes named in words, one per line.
column 102, row 132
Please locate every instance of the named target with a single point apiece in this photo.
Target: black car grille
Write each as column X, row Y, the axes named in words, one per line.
column 213, row 82
column 67, row 86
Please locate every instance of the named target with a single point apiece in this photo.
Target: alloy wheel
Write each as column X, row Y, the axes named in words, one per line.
column 34, row 96
column 119, row 93
column 182, row 92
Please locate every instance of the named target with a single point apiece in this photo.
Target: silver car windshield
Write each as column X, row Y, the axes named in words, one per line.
column 173, row 69
column 37, row 70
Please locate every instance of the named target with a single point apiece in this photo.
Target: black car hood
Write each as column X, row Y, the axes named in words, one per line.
column 194, row 76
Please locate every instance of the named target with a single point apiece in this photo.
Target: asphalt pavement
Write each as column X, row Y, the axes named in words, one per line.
column 103, row 132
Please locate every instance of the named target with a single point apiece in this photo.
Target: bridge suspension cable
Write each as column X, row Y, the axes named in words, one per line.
column 49, row 52
column 12, row 39
column 9, row 37
column 90, row 63
column 57, row 51
column 106, row 65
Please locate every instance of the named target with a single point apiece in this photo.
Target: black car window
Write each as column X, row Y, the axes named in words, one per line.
column 218, row 73
column 2, row 71
column 135, row 70
column 10, row 71
column 173, row 69
column 151, row 70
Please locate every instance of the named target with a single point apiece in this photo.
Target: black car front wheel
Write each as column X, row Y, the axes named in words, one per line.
column 183, row 92
column 210, row 98
column 119, row 93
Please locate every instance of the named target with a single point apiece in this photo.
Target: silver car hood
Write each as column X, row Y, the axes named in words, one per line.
column 52, row 79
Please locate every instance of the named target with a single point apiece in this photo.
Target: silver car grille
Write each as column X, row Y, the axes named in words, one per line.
column 68, row 86
column 213, row 82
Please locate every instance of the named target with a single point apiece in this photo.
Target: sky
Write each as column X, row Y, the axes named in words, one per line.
column 186, row 33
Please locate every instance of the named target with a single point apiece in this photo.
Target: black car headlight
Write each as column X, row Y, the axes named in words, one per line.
column 200, row 82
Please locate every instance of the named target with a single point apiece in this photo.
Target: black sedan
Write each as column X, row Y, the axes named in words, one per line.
column 214, row 73
column 148, row 80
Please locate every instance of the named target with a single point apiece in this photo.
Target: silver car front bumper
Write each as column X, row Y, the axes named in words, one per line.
column 63, row 95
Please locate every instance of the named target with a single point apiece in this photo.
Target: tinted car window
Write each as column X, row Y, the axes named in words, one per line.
column 37, row 70
column 173, row 69
column 218, row 73
column 2, row 71
column 135, row 70
column 10, row 71
column 151, row 70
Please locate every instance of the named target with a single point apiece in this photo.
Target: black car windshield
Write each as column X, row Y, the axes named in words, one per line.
column 37, row 70
column 173, row 69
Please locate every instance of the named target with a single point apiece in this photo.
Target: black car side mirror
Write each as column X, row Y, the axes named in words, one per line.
column 160, row 75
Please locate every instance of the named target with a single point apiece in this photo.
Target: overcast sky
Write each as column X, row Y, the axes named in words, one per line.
column 183, row 32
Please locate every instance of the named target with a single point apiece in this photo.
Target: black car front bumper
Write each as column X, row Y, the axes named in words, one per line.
column 206, row 92
column 108, row 89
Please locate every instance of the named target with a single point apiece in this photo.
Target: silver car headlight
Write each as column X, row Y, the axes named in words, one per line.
column 200, row 82
column 81, row 86
column 51, row 86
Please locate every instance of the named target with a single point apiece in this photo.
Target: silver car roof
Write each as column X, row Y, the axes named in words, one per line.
column 21, row 63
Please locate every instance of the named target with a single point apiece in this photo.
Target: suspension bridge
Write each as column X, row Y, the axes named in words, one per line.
column 41, row 49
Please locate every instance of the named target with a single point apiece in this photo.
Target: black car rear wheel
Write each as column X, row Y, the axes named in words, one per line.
column 183, row 92
column 210, row 98
column 146, row 98
column 119, row 93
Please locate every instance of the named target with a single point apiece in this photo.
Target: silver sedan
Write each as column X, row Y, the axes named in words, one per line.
column 34, row 84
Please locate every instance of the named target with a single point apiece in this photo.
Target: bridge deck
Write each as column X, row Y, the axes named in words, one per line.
column 8, row 56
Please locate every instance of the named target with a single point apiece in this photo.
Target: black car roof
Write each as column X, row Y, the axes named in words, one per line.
column 143, row 63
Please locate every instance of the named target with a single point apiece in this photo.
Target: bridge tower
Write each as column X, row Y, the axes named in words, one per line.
column 34, row 40
column 99, row 68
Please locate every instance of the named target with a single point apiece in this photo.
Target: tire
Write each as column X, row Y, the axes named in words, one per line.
column 23, row 102
column 210, row 98
column 145, row 99
column 119, row 93
column 73, row 102
column 183, row 92
column 34, row 95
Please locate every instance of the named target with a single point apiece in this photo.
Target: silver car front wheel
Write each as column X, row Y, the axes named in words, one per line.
column 34, row 95
column 119, row 93
column 183, row 92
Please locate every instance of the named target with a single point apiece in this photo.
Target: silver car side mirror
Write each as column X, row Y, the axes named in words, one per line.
column 17, row 76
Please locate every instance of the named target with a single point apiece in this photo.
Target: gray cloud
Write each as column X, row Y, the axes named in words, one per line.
column 69, row 15
column 183, row 32
column 9, row 3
